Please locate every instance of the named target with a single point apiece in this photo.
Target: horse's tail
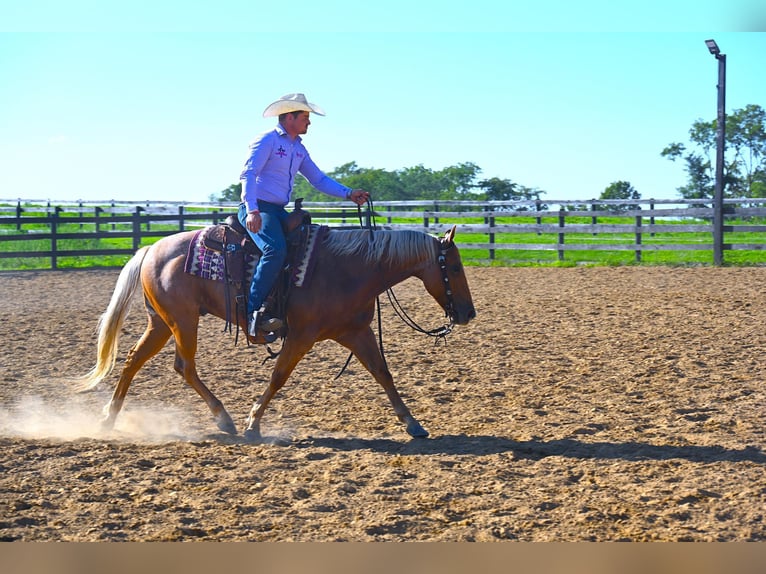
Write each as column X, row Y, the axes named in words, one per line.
column 110, row 323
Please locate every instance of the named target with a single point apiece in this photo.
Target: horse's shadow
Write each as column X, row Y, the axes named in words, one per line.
column 537, row 449
column 534, row 449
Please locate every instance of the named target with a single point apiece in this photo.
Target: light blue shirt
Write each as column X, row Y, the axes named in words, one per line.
column 270, row 170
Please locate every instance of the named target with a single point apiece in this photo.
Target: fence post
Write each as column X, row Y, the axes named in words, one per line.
column 181, row 218
column 538, row 219
column 54, row 241
column 436, row 209
column 562, row 218
column 79, row 212
column 215, row 216
column 638, row 238
column 651, row 217
column 114, row 225
column 425, row 218
column 137, row 227
column 19, row 211
column 491, row 237
column 97, row 211
column 593, row 219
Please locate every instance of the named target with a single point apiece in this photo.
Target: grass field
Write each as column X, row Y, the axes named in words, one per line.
column 477, row 257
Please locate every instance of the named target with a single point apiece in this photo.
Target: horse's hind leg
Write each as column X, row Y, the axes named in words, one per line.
column 186, row 366
column 151, row 342
column 365, row 348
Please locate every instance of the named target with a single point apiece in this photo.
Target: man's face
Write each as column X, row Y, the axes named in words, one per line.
column 298, row 124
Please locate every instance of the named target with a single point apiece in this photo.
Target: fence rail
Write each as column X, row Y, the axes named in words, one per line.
column 597, row 225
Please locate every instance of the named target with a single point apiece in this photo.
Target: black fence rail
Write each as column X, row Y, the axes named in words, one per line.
column 141, row 224
column 597, row 225
column 136, row 226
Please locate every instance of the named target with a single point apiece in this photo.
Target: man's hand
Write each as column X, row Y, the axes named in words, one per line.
column 253, row 221
column 359, row 196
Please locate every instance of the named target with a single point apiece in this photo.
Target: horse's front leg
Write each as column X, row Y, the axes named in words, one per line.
column 364, row 346
column 292, row 352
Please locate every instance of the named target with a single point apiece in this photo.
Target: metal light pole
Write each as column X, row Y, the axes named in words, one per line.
column 720, row 148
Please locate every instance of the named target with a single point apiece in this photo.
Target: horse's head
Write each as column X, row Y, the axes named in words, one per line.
column 447, row 283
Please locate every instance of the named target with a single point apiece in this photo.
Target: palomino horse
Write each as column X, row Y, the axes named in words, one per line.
column 352, row 268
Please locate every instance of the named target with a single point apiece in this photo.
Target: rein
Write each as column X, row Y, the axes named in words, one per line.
column 439, row 333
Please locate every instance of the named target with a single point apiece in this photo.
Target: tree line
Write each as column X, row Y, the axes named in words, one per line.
column 745, row 171
column 744, row 158
column 458, row 182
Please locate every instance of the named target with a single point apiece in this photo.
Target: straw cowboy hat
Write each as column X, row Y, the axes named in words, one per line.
column 291, row 103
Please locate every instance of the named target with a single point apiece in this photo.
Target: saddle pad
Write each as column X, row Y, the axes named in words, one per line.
column 209, row 264
column 302, row 271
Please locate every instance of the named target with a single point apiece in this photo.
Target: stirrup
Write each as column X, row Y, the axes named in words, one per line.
column 260, row 321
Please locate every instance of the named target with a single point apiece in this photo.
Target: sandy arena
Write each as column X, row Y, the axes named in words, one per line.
column 591, row 404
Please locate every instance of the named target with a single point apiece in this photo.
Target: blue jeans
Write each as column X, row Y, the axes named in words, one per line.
column 271, row 241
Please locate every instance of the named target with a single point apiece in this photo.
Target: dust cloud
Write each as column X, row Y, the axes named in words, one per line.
column 32, row 417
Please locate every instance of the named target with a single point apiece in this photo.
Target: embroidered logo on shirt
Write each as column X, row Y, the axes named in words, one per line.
column 281, row 152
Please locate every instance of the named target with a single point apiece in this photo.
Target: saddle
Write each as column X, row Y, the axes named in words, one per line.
column 240, row 253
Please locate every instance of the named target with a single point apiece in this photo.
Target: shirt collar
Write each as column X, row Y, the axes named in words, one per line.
column 281, row 131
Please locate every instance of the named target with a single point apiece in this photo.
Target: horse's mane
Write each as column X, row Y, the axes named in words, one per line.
column 386, row 246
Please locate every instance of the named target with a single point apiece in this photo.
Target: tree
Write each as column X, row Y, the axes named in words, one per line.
column 231, row 193
column 350, row 174
column 496, row 189
column 744, row 160
column 621, row 190
column 416, row 182
column 411, row 183
column 746, row 133
column 457, row 182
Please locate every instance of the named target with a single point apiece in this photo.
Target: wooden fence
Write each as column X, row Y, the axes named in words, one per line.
column 637, row 226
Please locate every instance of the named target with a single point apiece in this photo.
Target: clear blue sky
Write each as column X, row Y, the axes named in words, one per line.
column 158, row 100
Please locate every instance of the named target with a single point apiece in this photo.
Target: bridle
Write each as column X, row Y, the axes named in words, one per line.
column 440, row 333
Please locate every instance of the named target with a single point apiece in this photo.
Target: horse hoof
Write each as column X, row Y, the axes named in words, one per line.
column 253, row 435
column 416, row 431
column 227, row 425
column 106, row 425
column 223, row 422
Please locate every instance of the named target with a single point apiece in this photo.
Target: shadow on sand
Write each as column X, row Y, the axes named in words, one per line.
column 537, row 449
column 530, row 449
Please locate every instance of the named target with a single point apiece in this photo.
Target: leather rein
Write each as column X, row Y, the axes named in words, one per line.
column 439, row 333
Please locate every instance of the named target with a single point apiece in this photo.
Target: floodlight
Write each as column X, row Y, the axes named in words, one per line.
column 713, row 47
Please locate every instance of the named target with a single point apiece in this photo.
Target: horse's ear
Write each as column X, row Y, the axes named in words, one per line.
column 449, row 237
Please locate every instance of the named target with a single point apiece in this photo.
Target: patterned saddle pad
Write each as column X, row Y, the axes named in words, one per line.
column 208, row 263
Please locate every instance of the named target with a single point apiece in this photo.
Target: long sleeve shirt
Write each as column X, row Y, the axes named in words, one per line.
column 271, row 166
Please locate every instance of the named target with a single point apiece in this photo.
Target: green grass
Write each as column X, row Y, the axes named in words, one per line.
column 33, row 244
column 524, row 258
column 474, row 257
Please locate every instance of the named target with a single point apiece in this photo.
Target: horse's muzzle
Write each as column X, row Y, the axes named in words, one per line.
column 464, row 316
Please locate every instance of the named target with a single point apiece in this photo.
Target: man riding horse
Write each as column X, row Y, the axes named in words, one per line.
column 267, row 182
column 351, row 270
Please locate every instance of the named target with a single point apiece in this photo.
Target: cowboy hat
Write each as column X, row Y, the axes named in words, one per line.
column 291, row 103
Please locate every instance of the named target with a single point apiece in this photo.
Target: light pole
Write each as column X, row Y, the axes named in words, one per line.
column 720, row 147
